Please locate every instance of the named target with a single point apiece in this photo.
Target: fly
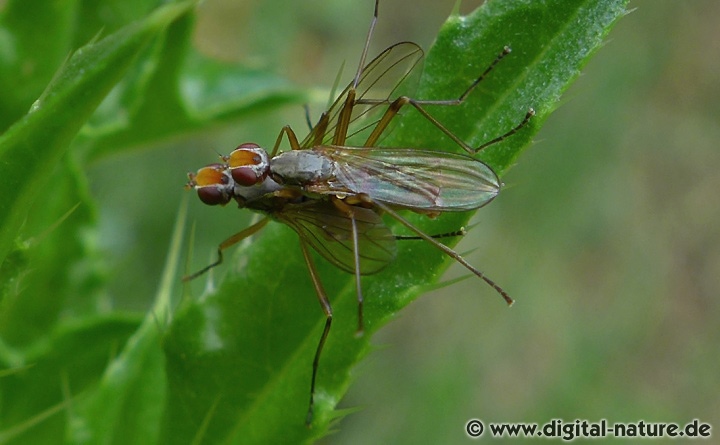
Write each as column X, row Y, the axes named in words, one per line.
column 332, row 186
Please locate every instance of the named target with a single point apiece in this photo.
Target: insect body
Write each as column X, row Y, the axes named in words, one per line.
column 420, row 180
column 333, row 187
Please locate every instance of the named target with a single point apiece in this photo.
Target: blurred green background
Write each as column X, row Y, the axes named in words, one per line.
column 606, row 233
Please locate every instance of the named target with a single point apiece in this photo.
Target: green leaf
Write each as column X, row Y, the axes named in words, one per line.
column 28, row 58
column 70, row 360
column 239, row 358
column 127, row 404
column 175, row 90
column 32, row 147
column 42, row 286
column 48, row 366
column 183, row 92
column 109, row 16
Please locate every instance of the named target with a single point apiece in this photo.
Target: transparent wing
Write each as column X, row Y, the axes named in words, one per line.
column 410, row 178
column 329, row 231
column 386, row 77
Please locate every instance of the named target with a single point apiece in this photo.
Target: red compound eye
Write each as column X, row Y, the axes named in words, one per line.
column 245, row 154
column 212, row 185
column 213, row 196
column 248, row 164
column 209, row 175
column 245, row 176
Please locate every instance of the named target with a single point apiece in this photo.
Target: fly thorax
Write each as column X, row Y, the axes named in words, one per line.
column 301, row 168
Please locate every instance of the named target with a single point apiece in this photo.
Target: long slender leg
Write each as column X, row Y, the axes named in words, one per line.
column 324, row 121
column 361, row 65
column 358, row 286
column 530, row 113
column 400, row 102
column 460, row 232
column 472, row 150
column 350, row 213
column 321, row 127
column 308, row 119
column 327, row 309
column 292, row 138
column 343, row 120
column 395, row 106
column 445, row 249
column 248, row 231
column 506, row 50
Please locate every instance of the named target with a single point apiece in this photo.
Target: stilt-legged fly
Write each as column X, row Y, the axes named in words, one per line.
column 333, row 186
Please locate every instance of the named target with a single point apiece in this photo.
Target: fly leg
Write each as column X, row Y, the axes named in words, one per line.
column 398, row 103
column 249, row 231
column 292, row 138
column 395, row 106
column 345, row 113
column 445, row 249
column 455, row 233
column 327, row 309
column 361, row 65
column 350, row 213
